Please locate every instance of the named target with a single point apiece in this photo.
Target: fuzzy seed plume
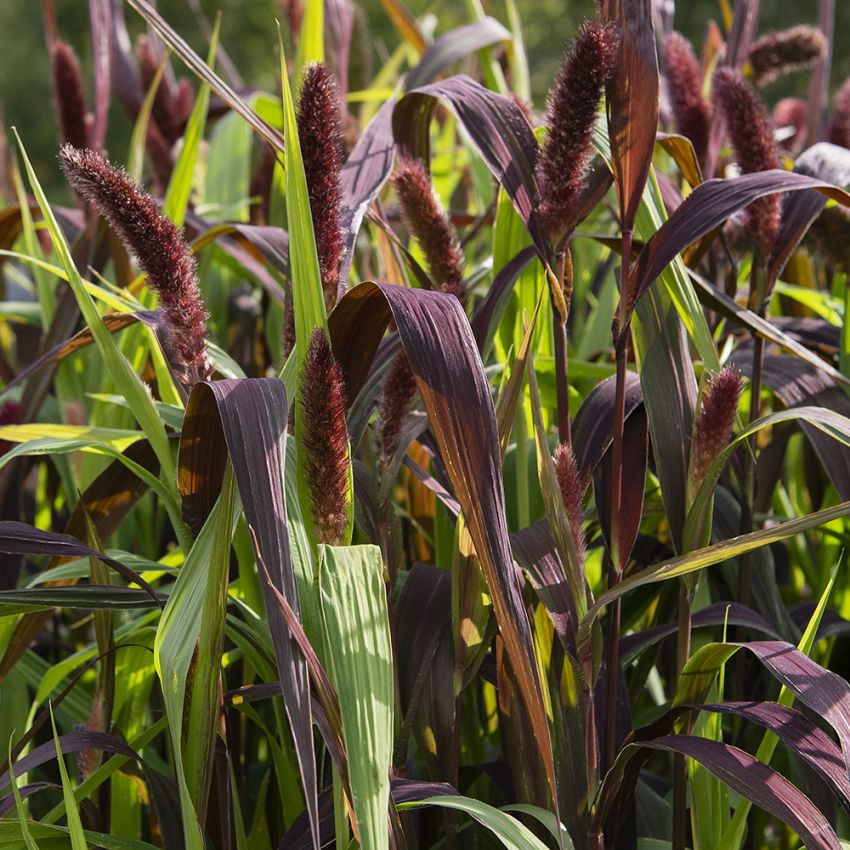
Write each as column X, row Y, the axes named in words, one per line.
column 572, row 491
column 320, row 137
column 715, row 421
column 839, row 122
column 751, row 137
column 570, row 117
column 324, row 439
column 399, row 390
column 691, row 112
column 428, row 223
column 70, row 95
column 158, row 246
column 778, row 53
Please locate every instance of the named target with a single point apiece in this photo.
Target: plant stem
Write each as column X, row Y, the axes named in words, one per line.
column 680, row 764
column 559, row 328
column 618, row 557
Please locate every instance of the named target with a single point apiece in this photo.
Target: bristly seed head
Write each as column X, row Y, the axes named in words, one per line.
column 684, row 79
column 70, row 95
column 572, row 492
column 570, row 116
column 714, row 423
column 755, row 150
column 428, row 222
column 399, row 390
column 157, row 245
column 778, row 53
column 324, row 438
column 320, row 137
column 839, row 124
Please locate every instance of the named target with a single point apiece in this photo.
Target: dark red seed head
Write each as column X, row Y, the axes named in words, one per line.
column 428, row 222
column 324, row 440
column 839, row 124
column 778, row 53
column 570, row 117
column 715, row 421
column 320, row 137
column 572, row 493
column 755, row 150
column 158, row 246
column 70, row 95
column 684, row 80
column 399, row 390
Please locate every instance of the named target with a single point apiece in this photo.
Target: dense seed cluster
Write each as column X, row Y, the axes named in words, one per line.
column 778, row 53
column 569, row 483
column 691, row 112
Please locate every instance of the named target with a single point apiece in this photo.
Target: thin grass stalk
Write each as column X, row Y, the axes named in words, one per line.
column 618, row 557
column 680, row 763
column 560, row 314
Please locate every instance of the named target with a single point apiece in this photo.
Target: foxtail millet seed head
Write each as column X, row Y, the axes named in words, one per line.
column 691, row 112
column 778, row 53
column 572, row 493
column 69, row 91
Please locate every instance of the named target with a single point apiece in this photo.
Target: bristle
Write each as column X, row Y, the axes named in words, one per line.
column 571, row 493
column 158, row 246
column 70, row 95
column 399, row 390
column 714, row 423
column 428, row 222
column 791, row 113
column 780, row 53
column 755, row 150
column 684, row 78
column 839, row 124
column 570, row 117
column 320, row 137
column 324, row 438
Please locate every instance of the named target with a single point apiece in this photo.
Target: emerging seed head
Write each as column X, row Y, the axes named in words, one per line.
column 70, row 95
column 324, row 437
column 320, row 137
column 839, row 124
column 714, row 423
column 428, row 222
column 399, row 390
column 778, row 53
column 572, row 491
column 570, row 116
column 684, row 80
column 157, row 245
column 755, row 150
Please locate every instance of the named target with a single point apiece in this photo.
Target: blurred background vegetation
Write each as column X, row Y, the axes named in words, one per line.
column 248, row 34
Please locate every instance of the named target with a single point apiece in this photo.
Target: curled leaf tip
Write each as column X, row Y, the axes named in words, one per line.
column 570, row 117
column 691, row 112
column 324, row 439
column 158, row 246
column 428, row 222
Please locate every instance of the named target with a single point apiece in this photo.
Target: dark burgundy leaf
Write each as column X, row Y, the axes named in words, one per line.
column 498, row 129
column 18, row 538
column 706, row 208
column 246, row 419
column 365, row 171
column 454, row 45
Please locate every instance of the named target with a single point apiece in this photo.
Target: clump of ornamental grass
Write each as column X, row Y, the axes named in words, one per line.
column 778, row 53
column 320, row 138
column 691, row 113
column 755, row 150
column 714, row 423
column 69, row 91
column 399, row 390
column 159, row 248
column 570, row 117
column 572, row 491
column 839, row 123
column 324, row 440
column 427, row 221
